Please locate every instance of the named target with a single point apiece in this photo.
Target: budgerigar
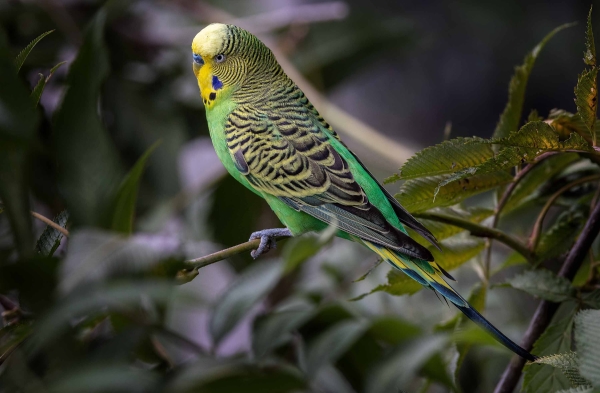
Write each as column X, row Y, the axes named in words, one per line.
column 273, row 141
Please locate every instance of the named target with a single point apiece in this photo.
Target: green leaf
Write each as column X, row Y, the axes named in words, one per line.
column 526, row 145
column 579, row 389
column 105, row 378
column 50, row 239
column 511, row 116
column 252, row 285
column 94, row 299
column 393, row 330
column 418, row 195
column 568, row 363
column 299, row 249
column 21, row 57
column 565, row 123
column 592, row 299
column 226, row 375
column 36, row 94
column 539, row 175
column 273, row 330
column 447, row 157
column 560, row 236
column 88, row 167
column 586, row 99
column 587, row 338
column 330, row 345
column 589, row 56
column 555, row 339
column 544, row 284
column 455, row 252
column 395, row 372
column 477, row 300
column 126, row 197
column 17, row 134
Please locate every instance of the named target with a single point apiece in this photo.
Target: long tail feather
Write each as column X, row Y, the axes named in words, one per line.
column 474, row 316
column 430, row 275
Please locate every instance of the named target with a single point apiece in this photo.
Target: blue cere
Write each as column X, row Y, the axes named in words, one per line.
column 198, row 59
column 216, row 83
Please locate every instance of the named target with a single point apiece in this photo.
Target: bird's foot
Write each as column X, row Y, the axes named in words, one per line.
column 267, row 239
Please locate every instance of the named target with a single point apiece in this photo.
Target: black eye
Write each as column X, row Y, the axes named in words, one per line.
column 198, row 59
column 220, row 58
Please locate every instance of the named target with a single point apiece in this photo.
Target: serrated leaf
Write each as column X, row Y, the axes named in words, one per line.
column 587, row 337
column 22, row 56
column 455, row 252
column 586, row 99
column 568, row 363
column 589, row 56
column 555, row 339
column 538, row 176
column 333, row 343
column 560, row 236
column 447, row 157
column 511, row 116
column 579, row 389
column 592, row 299
column 38, row 90
column 532, row 140
column 565, row 123
column 544, row 284
column 126, row 197
column 418, row 195
column 394, row 372
column 50, row 239
column 249, row 287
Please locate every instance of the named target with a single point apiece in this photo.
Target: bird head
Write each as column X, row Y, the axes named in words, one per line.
column 226, row 58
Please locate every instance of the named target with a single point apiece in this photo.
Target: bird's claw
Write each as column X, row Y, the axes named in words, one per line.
column 267, row 240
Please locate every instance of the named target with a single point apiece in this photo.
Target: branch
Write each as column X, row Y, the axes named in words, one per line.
column 546, row 310
column 479, row 231
column 51, row 223
column 537, row 227
column 504, row 199
column 191, row 272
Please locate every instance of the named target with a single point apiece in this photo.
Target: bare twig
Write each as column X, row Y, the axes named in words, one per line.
column 546, row 310
column 479, row 231
column 537, row 227
column 504, row 199
column 51, row 223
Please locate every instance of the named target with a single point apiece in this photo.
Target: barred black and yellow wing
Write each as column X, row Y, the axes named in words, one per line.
column 286, row 152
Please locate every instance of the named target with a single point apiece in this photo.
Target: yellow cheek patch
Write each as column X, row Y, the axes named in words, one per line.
column 210, row 85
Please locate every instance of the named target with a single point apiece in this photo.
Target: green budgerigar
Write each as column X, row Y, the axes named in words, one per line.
column 273, row 141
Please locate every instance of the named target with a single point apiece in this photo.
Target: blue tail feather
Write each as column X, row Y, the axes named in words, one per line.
column 474, row 316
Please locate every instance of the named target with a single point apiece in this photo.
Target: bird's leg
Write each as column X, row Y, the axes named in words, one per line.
column 267, row 239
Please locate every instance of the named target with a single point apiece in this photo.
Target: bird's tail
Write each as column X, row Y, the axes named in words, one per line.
column 430, row 275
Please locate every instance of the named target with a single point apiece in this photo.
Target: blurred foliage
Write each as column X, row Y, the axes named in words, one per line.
column 113, row 145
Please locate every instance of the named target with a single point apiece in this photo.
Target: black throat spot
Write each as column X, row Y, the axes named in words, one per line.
column 212, row 96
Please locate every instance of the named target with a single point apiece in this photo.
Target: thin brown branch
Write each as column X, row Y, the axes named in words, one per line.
column 479, row 231
column 546, row 310
column 537, row 227
column 504, row 199
column 51, row 223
